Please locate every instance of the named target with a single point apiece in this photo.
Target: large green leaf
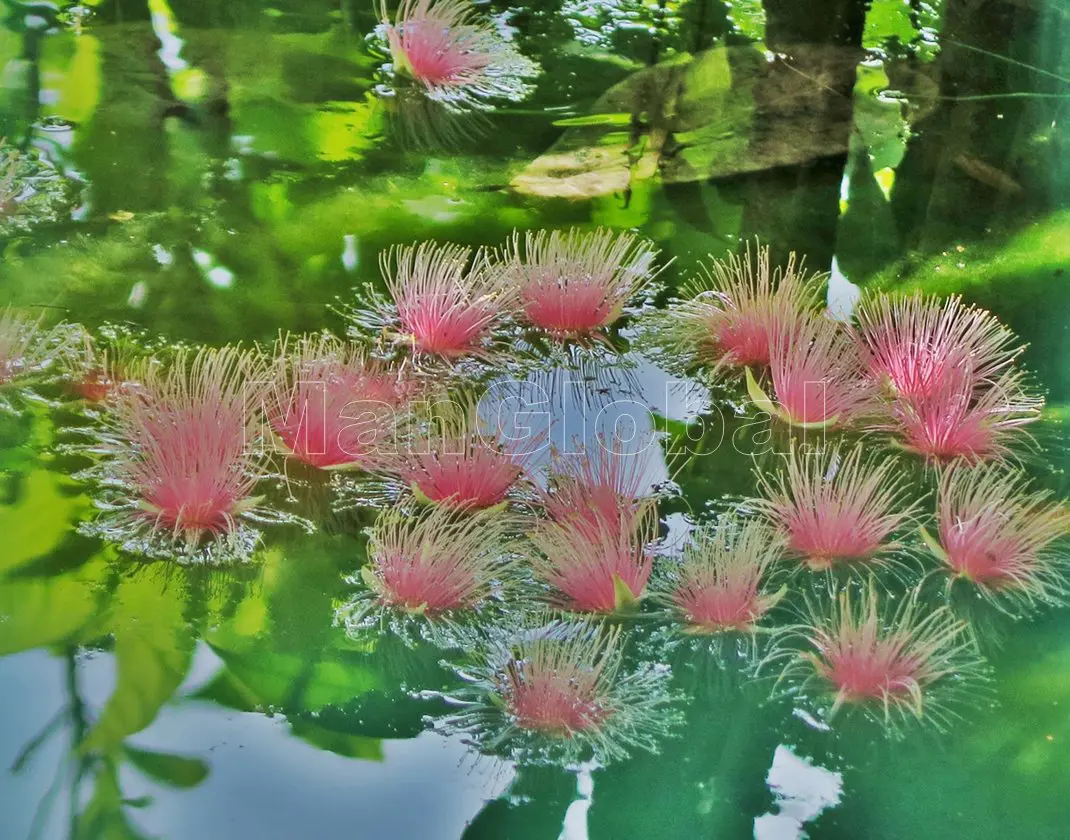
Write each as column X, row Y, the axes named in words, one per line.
column 43, row 611
column 153, row 652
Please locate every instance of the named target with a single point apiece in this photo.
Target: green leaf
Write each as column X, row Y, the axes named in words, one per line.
column 933, row 545
column 759, row 397
column 595, row 119
column 43, row 611
column 40, row 518
column 624, row 600
column 176, row 771
column 153, row 652
column 339, row 743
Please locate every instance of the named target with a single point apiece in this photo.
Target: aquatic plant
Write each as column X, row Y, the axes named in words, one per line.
column 731, row 313
column 594, row 484
column 454, row 459
column 457, row 58
column 720, row 583
column 894, row 666
column 962, row 419
column 816, row 376
column 597, row 564
column 999, row 536
column 556, row 691
column 434, row 564
column 912, row 345
column 28, row 353
column 332, row 407
column 837, row 509
column 576, row 283
column 446, row 302
column 180, row 458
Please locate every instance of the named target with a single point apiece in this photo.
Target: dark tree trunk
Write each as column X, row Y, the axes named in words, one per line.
column 972, row 163
column 796, row 208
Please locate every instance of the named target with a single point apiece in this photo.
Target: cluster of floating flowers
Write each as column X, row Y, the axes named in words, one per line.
column 477, row 541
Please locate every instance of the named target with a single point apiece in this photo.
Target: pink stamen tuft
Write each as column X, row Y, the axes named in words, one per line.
column 574, row 283
column 966, row 419
column 186, row 440
column 445, row 307
column 739, row 305
column 719, row 584
column 454, row 460
column 330, row 406
column 892, row 665
column 816, row 375
column 998, row 535
column 598, row 565
column 915, row 344
column 437, row 562
column 836, row 509
column 457, row 59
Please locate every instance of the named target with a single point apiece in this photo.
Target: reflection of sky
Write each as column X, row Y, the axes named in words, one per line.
column 263, row 782
column 584, row 409
column 802, row 792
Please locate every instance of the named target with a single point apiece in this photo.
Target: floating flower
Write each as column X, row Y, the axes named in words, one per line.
column 894, row 666
column 28, row 351
column 837, row 509
column 331, row 407
column 459, row 60
column 816, row 376
column 913, row 344
column 180, row 457
column 436, row 563
column 599, row 565
column 594, row 486
column 964, row 420
column 732, row 313
column 996, row 534
column 720, row 583
column 558, row 692
column 573, row 284
column 447, row 303
column 453, row 459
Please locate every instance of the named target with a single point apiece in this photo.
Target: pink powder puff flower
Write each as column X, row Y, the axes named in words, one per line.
column 837, row 510
column 594, row 486
column 720, row 583
column 447, row 302
column 28, row 351
column 965, row 419
column 438, row 562
column 180, row 451
column 557, row 691
column 330, row 406
column 599, row 566
column 458, row 59
column 816, row 377
column 894, row 666
column 453, row 459
column 734, row 310
column 912, row 345
column 576, row 283
column 996, row 534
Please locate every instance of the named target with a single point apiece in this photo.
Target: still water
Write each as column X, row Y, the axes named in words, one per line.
column 219, row 172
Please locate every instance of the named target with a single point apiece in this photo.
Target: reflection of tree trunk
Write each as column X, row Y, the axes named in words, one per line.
column 966, row 165
column 796, row 207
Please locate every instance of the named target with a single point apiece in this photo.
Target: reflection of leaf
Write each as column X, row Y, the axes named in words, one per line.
column 340, row 743
column 263, row 679
column 42, row 611
column 103, row 817
column 174, row 770
column 39, row 520
column 153, row 651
